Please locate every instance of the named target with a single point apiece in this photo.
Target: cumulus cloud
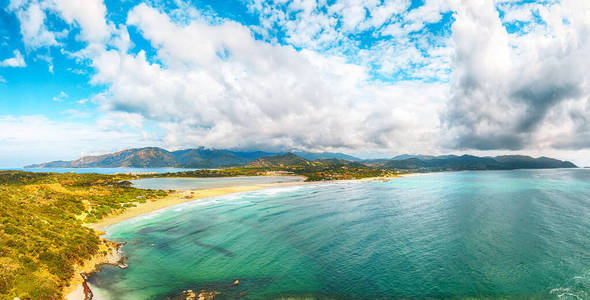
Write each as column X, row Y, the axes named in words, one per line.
column 215, row 85
column 89, row 15
column 16, row 62
column 32, row 23
column 394, row 40
column 512, row 91
column 503, row 76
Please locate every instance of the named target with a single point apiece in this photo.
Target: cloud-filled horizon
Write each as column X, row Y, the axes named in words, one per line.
column 371, row 78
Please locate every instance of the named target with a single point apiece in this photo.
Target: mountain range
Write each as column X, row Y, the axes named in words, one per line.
column 469, row 162
column 154, row 157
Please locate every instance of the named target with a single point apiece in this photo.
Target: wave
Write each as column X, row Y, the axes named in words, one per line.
column 576, row 289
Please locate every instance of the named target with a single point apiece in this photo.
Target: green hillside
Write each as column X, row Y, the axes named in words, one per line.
column 41, row 232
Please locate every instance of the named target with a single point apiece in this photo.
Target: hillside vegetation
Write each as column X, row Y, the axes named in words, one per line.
column 291, row 164
column 336, row 169
column 322, row 169
column 41, row 232
column 469, row 162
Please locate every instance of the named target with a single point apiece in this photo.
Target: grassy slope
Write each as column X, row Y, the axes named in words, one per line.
column 325, row 169
column 42, row 235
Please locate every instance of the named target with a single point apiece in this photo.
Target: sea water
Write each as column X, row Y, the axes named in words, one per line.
column 464, row 235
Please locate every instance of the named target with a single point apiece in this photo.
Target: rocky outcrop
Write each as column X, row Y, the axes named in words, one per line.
column 108, row 253
column 203, row 295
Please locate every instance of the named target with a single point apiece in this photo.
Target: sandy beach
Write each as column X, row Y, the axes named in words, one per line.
column 178, row 197
column 191, row 195
column 182, row 196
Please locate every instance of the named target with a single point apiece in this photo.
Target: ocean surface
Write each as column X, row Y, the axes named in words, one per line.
column 102, row 170
column 464, row 235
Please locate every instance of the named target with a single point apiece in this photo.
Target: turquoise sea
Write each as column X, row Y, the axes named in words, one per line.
column 464, row 235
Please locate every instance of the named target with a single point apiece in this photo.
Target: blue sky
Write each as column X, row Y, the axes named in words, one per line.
column 53, row 83
column 367, row 77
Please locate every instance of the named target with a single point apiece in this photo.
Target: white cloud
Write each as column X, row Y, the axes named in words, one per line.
column 208, row 82
column 381, row 13
column 387, row 27
column 16, row 62
column 89, row 15
column 415, row 20
column 256, row 94
column 61, row 97
column 430, row 12
column 2, row 80
column 351, row 13
column 520, row 13
column 518, row 91
column 32, row 24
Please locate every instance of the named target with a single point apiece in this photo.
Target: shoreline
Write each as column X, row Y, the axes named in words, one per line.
column 181, row 196
column 108, row 253
column 78, row 288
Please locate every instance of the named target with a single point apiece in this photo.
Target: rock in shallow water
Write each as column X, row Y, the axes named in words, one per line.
column 189, row 295
column 203, row 295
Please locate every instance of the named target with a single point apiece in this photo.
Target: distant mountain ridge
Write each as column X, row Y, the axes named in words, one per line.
column 155, row 157
column 469, row 162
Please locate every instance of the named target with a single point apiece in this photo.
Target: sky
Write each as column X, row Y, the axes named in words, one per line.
column 372, row 78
